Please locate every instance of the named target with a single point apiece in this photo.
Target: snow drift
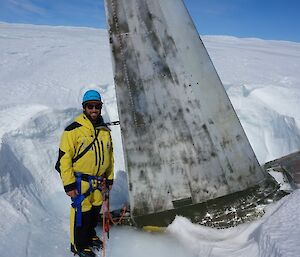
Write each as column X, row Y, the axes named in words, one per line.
column 44, row 72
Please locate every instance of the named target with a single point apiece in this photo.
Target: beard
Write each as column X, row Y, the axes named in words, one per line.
column 92, row 117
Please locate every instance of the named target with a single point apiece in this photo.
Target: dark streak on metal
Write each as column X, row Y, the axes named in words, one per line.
column 213, row 152
column 225, row 142
column 164, row 135
column 229, row 167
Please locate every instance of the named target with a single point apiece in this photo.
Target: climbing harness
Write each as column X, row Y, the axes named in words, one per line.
column 94, row 184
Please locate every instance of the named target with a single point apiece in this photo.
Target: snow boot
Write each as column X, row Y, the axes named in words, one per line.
column 85, row 252
column 96, row 243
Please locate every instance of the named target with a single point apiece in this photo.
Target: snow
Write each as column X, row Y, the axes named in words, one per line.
column 44, row 72
column 275, row 234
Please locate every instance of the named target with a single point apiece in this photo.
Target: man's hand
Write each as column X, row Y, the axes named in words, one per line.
column 109, row 184
column 72, row 193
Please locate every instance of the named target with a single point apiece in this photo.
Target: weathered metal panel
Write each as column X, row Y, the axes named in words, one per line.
column 182, row 140
column 289, row 164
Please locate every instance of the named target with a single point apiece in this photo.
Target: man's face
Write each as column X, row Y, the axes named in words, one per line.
column 93, row 109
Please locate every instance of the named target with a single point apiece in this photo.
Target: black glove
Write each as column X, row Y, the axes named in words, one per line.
column 109, row 183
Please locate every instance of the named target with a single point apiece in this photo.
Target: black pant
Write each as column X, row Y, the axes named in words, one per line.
column 84, row 234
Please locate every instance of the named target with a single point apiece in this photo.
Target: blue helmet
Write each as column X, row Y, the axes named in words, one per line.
column 91, row 95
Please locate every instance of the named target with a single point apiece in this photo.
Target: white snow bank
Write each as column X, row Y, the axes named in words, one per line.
column 277, row 234
column 262, row 80
column 53, row 66
column 44, row 72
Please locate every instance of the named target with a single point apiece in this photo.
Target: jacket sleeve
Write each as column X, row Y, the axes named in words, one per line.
column 64, row 165
column 110, row 169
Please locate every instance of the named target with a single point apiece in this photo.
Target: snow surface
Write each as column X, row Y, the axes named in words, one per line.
column 43, row 73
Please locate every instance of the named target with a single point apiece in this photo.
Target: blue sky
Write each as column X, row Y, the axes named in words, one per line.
column 267, row 19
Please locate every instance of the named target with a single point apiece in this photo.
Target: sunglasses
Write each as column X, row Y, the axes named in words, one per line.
column 92, row 106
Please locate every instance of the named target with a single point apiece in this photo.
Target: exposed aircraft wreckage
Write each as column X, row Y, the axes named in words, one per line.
column 186, row 152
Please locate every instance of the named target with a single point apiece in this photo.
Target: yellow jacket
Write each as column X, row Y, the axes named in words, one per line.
column 97, row 161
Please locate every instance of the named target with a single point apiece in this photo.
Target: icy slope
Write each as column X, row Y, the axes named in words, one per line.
column 45, row 70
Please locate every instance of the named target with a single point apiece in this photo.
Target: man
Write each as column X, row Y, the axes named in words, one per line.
column 86, row 159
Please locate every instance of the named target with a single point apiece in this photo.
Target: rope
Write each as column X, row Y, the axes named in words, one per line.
column 105, row 224
column 107, row 217
column 121, row 217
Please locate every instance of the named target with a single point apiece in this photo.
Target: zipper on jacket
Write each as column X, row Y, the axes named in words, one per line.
column 99, row 150
column 102, row 152
column 96, row 153
column 96, row 149
column 97, row 146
